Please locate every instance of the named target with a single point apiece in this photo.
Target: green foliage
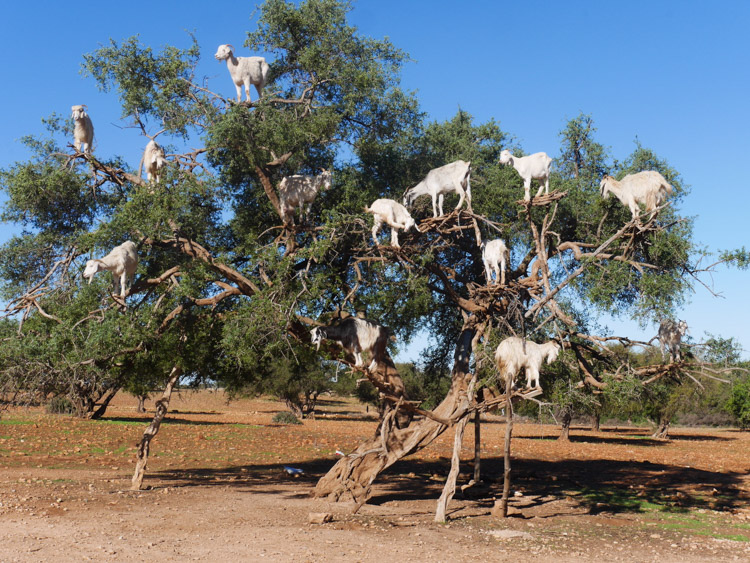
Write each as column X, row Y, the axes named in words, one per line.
column 426, row 386
column 228, row 293
column 285, row 417
column 739, row 257
column 721, row 351
column 148, row 84
column 739, row 403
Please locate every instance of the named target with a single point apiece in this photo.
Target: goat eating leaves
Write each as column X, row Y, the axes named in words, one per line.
column 391, row 213
column 122, row 262
column 647, row 187
column 299, row 192
column 356, row 336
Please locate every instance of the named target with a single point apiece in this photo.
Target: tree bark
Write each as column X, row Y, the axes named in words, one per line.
column 450, row 483
column 662, row 431
column 477, row 447
column 355, row 473
column 161, row 410
column 449, row 489
column 142, row 403
column 294, row 407
column 102, row 408
column 506, row 451
column 595, row 422
column 565, row 421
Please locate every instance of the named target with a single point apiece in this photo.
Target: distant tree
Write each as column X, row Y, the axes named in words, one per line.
column 739, row 403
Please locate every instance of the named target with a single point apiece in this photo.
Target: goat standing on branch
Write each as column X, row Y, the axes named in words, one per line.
column 244, row 71
column 533, row 167
column 647, row 187
column 356, row 336
column 494, row 255
column 515, row 353
column 122, row 262
column 453, row 177
column 83, row 133
column 154, row 159
column 391, row 213
column 670, row 337
column 300, row 191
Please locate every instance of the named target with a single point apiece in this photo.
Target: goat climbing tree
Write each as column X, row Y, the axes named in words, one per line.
column 226, row 291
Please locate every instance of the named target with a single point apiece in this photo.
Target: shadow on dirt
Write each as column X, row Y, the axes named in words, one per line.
column 593, row 486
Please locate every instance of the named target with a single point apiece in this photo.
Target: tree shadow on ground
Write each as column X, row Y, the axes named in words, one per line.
column 592, row 486
column 168, row 420
column 619, row 440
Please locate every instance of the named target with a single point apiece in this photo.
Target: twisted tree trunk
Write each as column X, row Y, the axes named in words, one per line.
column 355, row 473
column 502, row 509
column 450, row 484
column 161, row 410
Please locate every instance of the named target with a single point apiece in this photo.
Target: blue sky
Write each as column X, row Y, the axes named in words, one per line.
column 673, row 74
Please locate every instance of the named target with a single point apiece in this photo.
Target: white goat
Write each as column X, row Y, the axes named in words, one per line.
column 300, row 191
column 356, row 336
column 83, row 133
column 533, row 167
column 453, row 177
column 647, row 187
column 515, row 353
column 670, row 337
column 154, row 159
column 493, row 256
column 244, row 70
column 391, row 213
column 122, row 262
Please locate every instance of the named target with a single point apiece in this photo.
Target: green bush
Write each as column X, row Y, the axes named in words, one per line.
column 739, row 404
column 285, row 417
column 60, row 405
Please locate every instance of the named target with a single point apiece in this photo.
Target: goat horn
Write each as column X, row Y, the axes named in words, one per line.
column 231, row 46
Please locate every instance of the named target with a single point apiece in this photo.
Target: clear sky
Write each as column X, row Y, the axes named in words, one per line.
column 673, row 74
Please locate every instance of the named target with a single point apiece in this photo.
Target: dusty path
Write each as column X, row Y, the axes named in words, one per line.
column 219, row 493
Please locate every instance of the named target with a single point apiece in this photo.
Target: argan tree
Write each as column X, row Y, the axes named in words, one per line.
column 226, row 289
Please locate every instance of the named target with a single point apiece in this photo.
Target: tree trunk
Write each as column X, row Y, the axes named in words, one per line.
column 161, row 410
column 449, row 489
column 355, row 473
column 662, row 431
column 142, row 403
column 311, row 400
column 506, row 452
column 450, row 483
column 477, row 447
column 565, row 421
column 294, row 406
column 595, row 422
column 99, row 411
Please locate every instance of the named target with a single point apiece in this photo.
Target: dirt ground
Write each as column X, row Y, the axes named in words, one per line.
column 218, row 491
